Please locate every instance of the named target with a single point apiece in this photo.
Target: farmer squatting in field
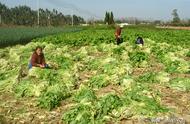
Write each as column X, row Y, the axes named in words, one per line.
column 140, row 41
column 38, row 59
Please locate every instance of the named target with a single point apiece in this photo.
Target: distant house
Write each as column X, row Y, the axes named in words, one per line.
column 84, row 24
column 123, row 24
column 145, row 23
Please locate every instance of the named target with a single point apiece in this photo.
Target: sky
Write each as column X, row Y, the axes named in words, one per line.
column 142, row 9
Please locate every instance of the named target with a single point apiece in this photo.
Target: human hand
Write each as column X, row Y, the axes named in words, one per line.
column 42, row 66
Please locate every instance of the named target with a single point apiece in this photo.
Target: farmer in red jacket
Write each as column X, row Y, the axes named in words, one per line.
column 38, row 59
column 118, row 35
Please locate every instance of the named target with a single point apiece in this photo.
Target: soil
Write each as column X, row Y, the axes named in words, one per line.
column 111, row 88
column 173, row 27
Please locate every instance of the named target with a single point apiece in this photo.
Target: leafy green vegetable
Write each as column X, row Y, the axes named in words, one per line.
column 119, row 50
column 99, row 81
column 53, row 96
column 107, row 104
column 79, row 114
column 27, row 88
column 188, row 54
column 163, row 77
column 147, row 78
column 182, row 84
column 84, row 94
column 137, row 58
column 142, row 100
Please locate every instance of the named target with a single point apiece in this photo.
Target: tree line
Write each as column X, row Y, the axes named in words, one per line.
column 175, row 21
column 24, row 15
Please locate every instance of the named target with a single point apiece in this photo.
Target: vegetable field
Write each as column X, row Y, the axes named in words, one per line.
column 22, row 35
column 95, row 81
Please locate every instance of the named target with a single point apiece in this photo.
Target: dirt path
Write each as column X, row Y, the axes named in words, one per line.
column 173, row 27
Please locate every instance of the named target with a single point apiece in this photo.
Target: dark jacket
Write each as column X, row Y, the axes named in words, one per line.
column 139, row 41
column 36, row 59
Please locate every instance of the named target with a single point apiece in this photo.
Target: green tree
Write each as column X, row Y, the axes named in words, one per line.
column 188, row 22
column 176, row 19
column 5, row 14
column 106, row 20
column 24, row 15
column 111, row 19
column 43, row 18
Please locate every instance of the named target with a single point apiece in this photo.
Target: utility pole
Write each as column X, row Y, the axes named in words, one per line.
column 49, row 20
column 38, row 4
column 0, row 19
column 25, row 2
column 72, row 18
column 93, row 21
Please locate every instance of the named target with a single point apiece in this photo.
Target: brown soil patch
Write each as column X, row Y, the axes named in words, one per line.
column 139, row 71
column 154, row 68
column 97, row 54
column 187, row 58
column 178, row 100
column 175, row 75
column 108, row 89
column 85, row 75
